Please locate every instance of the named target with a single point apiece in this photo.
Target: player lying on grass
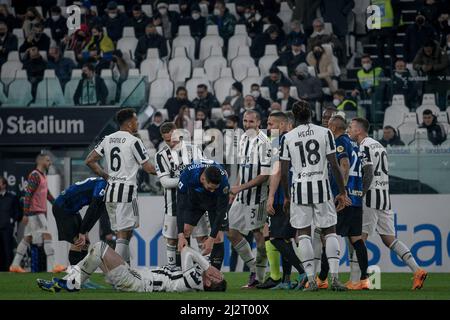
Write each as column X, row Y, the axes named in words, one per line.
column 196, row 274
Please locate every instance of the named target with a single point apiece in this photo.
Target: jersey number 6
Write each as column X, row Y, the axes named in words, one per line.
column 115, row 159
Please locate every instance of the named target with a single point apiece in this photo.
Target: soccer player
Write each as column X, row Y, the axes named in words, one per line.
column 174, row 156
column 309, row 148
column 124, row 153
column 196, row 274
column 248, row 210
column 377, row 213
column 71, row 227
column 349, row 222
column 203, row 188
column 280, row 230
column 35, row 215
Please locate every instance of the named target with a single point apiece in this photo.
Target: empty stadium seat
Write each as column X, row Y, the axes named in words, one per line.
column 147, row 9
column 285, row 15
column 70, row 54
column 293, row 92
column 132, row 92
column 408, row 128
column 69, row 91
column 442, row 119
column 127, row 45
column 212, row 39
column 242, row 63
column 174, row 7
column 198, row 77
column 19, row 91
column 270, row 56
column 265, row 93
column 232, row 8
column 18, row 32
column 253, row 76
column 2, row 94
column 185, row 40
column 180, row 66
column 49, row 92
column 395, row 114
column 106, row 75
column 428, row 103
column 214, row 63
column 151, row 65
column 223, row 85
column 236, row 41
column 9, row 69
column 128, row 32
column 421, row 139
column 13, row 56
column 161, row 89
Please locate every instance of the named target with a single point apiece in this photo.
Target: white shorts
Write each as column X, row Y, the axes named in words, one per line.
column 246, row 218
column 36, row 226
column 170, row 229
column 125, row 279
column 381, row 221
column 322, row 215
column 123, row 215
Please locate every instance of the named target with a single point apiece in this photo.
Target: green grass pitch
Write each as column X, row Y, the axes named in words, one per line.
column 394, row 286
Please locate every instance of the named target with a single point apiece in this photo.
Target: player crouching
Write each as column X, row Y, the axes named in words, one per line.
column 196, row 274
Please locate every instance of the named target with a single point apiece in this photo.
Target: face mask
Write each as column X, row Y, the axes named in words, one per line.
column 233, row 92
column 55, row 18
column 257, row 17
column 112, row 15
column 336, row 102
column 196, row 16
column 296, row 53
column 216, row 12
column 367, row 66
column 227, row 113
column 319, row 33
column 256, row 94
column 163, row 11
column 247, row 15
column 280, row 95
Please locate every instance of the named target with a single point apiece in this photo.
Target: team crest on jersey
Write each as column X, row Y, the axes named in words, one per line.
column 340, row 149
column 180, row 185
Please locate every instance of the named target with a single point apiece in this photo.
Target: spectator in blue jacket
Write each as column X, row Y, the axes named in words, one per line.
column 63, row 66
column 114, row 21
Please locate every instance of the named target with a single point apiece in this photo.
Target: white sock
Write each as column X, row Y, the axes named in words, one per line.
column 171, row 254
column 123, row 249
column 333, row 253
column 244, row 250
column 306, row 255
column 403, row 252
column 93, row 260
column 261, row 263
column 21, row 250
column 317, row 246
column 50, row 253
column 355, row 272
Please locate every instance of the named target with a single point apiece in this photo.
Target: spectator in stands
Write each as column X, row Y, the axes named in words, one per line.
column 402, row 83
column 320, row 36
column 368, row 78
column 185, row 13
column 309, row 88
column 153, row 129
column 152, row 39
column 120, row 69
column 8, row 42
column 305, row 11
column 174, row 104
column 201, row 116
column 296, row 34
column 99, row 49
column 322, row 60
column 292, row 58
column 46, row 6
column 205, row 100
column 227, row 111
column 197, row 26
column 432, row 62
column 271, row 18
column 415, row 37
column 11, row 21
column 35, row 66
column 232, row 122
column 250, row 104
column 273, row 80
column 77, row 41
column 225, row 21
column 443, row 29
column 89, row 16
column 275, row 106
column 284, row 98
column 271, row 36
column 236, row 98
column 183, row 120
column 260, row 100
column 57, row 24
column 138, row 21
column 344, row 103
column 168, row 20
column 32, row 18
column 91, row 89
column 63, row 66
column 431, row 10
column 436, row 132
column 253, row 21
column 390, row 137
column 114, row 21
column 336, row 12
column 36, row 38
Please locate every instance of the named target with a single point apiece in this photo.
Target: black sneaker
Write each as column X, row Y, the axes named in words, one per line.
column 268, row 284
column 252, row 282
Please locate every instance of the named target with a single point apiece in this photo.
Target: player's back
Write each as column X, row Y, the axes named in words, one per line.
column 80, row 194
column 190, row 176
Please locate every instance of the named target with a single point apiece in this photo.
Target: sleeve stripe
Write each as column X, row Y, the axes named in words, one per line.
column 367, row 153
column 330, row 137
column 139, row 150
column 159, row 162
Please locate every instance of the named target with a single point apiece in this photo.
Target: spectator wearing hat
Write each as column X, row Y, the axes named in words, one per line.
column 273, row 81
column 114, row 21
column 416, row 35
column 57, row 24
column 390, row 137
column 205, row 100
column 139, row 21
column 436, row 132
column 309, row 88
column 152, row 39
column 235, row 99
column 292, row 58
column 167, row 20
column 224, row 20
column 271, row 36
column 284, row 98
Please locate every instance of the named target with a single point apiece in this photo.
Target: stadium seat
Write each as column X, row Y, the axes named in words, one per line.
column 132, row 92
column 127, row 45
column 284, row 70
column 223, row 85
column 48, row 32
column 253, row 76
column 265, row 93
column 285, row 15
column 212, row 39
column 174, row 7
column 236, row 41
column 147, row 9
column 442, row 119
column 2, row 94
column 13, row 56
column 151, row 65
column 240, row 29
column 128, row 32
column 232, row 8
column 428, row 103
column 270, row 56
column 293, row 92
column 408, row 128
column 198, row 77
column 18, row 32
column 106, row 75
column 242, row 63
column 43, row 54
column 8, row 72
column 214, row 63
column 161, row 89
column 69, row 91
column 185, row 40
column 216, row 113
column 180, row 66
column 19, row 90
column 421, row 139
column 49, row 92
column 70, row 54
column 395, row 114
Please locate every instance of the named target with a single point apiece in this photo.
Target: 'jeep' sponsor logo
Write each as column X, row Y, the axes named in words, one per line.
column 46, row 125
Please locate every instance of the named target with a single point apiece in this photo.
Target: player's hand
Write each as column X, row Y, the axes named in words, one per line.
column 231, row 198
column 269, row 207
column 207, row 246
column 343, row 201
column 25, row 220
column 287, row 206
column 213, row 274
column 81, row 241
column 182, row 242
column 235, row 190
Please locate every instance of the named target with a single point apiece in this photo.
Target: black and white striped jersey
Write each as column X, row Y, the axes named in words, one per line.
column 373, row 153
column 170, row 162
column 123, row 154
column 170, row 279
column 307, row 147
column 255, row 158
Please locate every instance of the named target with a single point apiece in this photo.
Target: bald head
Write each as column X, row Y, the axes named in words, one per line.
column 337, row 125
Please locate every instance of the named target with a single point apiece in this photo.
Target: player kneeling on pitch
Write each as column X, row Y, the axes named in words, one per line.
column 196, row 274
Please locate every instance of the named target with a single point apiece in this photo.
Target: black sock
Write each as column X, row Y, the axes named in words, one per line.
column 324, row 266
column 75, row 257
column 178, row 259
column 217, row 254
column 361, row 254
column 288, row 253
column 287, row 268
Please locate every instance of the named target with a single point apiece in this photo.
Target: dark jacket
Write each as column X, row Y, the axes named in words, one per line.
column 6, row 46
column 101, row 91
column 273, row 86
column 395, row 141
column 58, row 28
column 263, row 103
column 139, row 25
column 154, row 134
column 225, row 24
column 261, row 41
column 309, row 88
column 290, row 61
column 415, row 38
column 9, row 210
column 206, row 104
column 147, row 42
column 436, row 132
column 63, row 68
column 336, row 12
column 35, row 69
column 173, row 105
column 174, row 18
column 114, row 27
column 253, row 27
column 289, row 104
column 43, row 44
column 198, row 27
column 438, row 60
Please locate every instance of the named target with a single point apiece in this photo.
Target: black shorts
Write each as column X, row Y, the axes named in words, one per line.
column 349, row 222
column 279, row 224
column 68, row 224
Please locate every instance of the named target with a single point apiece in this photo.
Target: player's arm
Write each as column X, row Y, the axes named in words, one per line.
column 183, row 204
column 50, row 197
column 94, row 211
column 92, row 162
column 32, row 185
column 342, row 197
column 149, row 168
column 274, row 183
column 163, row 171
column 344, row 164
column 260, row 179
column 141, row 156
column 367, row 168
